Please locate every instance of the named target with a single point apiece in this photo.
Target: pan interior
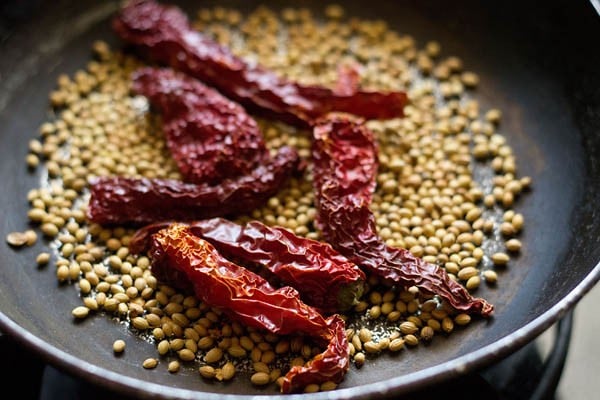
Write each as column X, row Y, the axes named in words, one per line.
column 551, row 120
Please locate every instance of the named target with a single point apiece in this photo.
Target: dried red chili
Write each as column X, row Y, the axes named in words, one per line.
column 163, row 34
column 348, row 81
column 324, row 278
column 209, row 136
column 250, row 299
column 120, row 200
column 345, row 165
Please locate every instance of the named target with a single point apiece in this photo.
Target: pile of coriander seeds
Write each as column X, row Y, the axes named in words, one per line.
column 427, row 198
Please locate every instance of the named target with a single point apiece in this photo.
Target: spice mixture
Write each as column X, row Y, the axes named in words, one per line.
column 445, row 189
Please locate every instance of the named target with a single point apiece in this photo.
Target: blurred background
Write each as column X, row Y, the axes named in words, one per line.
column 580, row 376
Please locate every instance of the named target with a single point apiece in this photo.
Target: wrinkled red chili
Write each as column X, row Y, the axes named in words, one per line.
column 209, row 136
column 183, row 258
column 163, row 34
column 348, row 81
column 120, row 200
column 324, row 278
column 345, row 167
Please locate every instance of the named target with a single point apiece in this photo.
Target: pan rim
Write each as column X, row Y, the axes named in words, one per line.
column 394, row 386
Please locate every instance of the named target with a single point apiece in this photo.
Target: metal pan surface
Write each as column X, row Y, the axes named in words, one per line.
column 551, row 119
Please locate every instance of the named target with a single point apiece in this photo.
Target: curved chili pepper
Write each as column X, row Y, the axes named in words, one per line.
column 345, row 165
column 250, row 299
column 119, row 200
column 163, row 34
column 330, row 365
column 209, row 136
column 324, row 278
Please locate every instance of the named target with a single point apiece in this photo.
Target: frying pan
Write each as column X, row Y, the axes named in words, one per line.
column 538, row 65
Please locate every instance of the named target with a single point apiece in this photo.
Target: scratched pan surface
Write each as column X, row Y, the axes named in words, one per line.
column 551, row 119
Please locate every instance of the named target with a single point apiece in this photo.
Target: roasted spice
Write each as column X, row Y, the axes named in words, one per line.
column 179, row 255
column 18, row 239
column 324, row 278
column 80, row 312
column 210, row 137
column 150, row 363
column 173, row 366
column 345, row 164
column 163, row 31
column 128, row 200
column 119, row 346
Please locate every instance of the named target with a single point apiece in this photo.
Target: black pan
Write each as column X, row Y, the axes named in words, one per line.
column 540, row 65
